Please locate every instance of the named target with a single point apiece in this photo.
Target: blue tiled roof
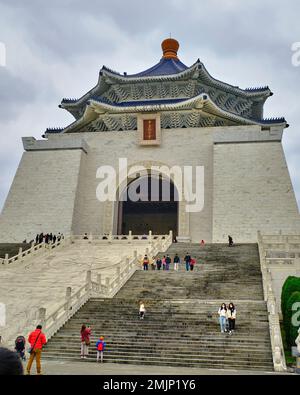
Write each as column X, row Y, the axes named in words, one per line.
column 271, row 120
column 164, row 67
column 257, row 89
column 54, row 130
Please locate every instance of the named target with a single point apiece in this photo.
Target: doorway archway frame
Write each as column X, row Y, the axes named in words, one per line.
column 110, row 217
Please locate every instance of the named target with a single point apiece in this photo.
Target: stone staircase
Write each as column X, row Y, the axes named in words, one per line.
column 41, row 281
column 181, row 325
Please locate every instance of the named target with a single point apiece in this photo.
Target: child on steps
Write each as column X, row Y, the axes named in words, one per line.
column 100, row 346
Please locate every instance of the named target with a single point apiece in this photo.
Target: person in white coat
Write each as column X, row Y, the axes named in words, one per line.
column 231, row 316
column 142, row 310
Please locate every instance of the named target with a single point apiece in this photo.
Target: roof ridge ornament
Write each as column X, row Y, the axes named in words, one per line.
column 170, row 48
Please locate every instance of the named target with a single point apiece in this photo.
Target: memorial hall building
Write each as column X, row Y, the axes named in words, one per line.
column 170, row 115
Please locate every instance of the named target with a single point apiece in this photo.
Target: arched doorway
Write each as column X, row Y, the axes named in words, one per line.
column 148, row 203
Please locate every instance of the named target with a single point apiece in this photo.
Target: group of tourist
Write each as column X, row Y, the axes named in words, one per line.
column 85, row 334
column 37, row 339
column 227, row 316
column 165, row 262
column 48, row 238
column 230, row 242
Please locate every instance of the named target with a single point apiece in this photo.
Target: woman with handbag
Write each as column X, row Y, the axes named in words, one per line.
column 85, row 340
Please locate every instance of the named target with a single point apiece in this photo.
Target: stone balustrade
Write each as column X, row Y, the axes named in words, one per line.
column 34, row 250
column 43, row 248
column 103, row 287
column 281, row 243
column 269, row 297
column 282, row 259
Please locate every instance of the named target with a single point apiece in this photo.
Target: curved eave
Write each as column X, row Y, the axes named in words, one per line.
column 108, row 77
column 251, row 93
column 203, row 102
column 197, row 70
column 96, row 90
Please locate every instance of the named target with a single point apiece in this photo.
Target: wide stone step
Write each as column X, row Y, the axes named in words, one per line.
column 181, row 327
column 204, row 346
column 205, row 363
column 224, row 340
column 155, row 354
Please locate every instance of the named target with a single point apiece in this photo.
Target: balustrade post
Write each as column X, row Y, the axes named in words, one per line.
column 150, row 236
column 99, row 282
column 88, row 280
column 118, row 273
column 42, row 317
column 110, row 237
column 20, row 253
column 6, row 259
column 68, row 298
column 287, row 244
column 130, row 236
column 107, row 284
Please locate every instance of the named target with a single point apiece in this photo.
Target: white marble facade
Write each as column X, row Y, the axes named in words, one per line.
column 247, row 186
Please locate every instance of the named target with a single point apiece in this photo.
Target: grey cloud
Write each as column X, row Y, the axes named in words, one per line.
column 14, row 92
column 56, row 50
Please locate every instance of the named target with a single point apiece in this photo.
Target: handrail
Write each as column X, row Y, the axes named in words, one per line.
column 73, row 302
column 273, row 316
column 34, row 250
column 37, row 249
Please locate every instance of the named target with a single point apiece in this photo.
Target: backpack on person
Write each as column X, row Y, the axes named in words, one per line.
column 20, row 343
column 100, row 346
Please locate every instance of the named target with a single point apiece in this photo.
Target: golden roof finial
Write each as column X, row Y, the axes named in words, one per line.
column 170, row 48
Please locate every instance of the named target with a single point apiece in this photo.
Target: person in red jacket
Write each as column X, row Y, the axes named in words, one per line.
column 36, row 339
column 192, row 264
column 85, row 340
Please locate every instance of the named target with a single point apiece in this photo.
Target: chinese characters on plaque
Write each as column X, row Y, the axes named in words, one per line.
column 149, row 131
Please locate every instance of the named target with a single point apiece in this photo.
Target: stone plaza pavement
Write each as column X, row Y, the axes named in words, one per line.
column 52, row 367
column 42, row 280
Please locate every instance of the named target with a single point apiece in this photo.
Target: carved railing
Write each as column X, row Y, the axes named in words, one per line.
column 44, row 248
column 110, row 238
column 34, row 250
column 104, row 289
column 273, row 316
column 281, row 243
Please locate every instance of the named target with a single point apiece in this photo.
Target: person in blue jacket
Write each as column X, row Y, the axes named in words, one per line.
column 100, row 346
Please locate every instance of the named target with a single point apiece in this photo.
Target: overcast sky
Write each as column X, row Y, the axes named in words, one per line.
column 55, row 49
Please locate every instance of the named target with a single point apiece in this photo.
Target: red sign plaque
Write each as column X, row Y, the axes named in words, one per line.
column 149, row 129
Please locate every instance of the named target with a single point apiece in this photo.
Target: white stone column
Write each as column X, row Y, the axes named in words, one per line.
column 88, row 280
column 99, row 282
column 42, row 317
column 68, row 298
column 20, row 254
